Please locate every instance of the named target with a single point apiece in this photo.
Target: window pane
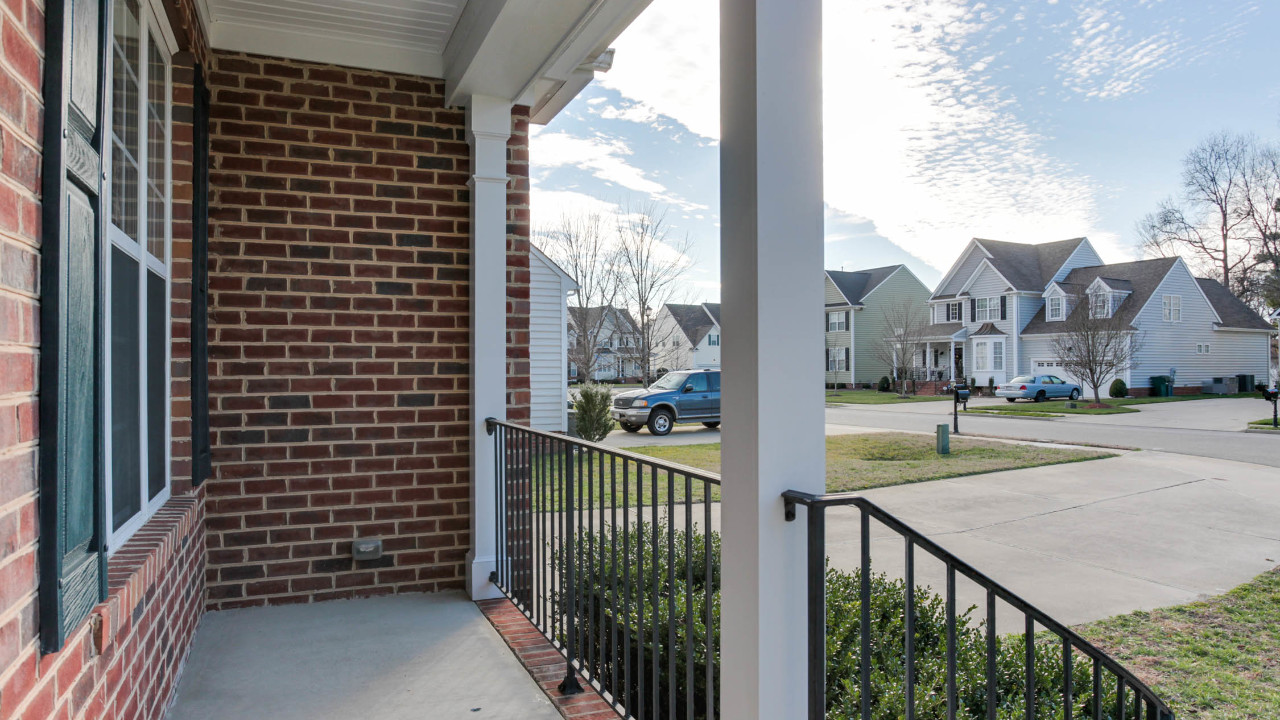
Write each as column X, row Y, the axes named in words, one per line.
column 124, row 119
column 156, row 415
column 156, row 144
column 126, row 441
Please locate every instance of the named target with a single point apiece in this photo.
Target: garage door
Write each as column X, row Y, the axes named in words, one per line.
column 1053, row 367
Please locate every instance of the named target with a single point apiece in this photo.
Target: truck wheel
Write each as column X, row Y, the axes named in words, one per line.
column 713, row 424
column 629, row 427
column 660, row 422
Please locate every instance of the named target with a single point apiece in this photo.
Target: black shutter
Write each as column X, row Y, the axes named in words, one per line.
column 973, row 309
column 201, row 454
column 72, row 561
column 1003, row 307
column 848, row 320
column 847, row 364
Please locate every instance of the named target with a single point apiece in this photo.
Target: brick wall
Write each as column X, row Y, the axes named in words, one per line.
column 122, row 662
column 339, row 334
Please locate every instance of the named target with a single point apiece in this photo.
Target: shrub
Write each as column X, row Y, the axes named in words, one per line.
column 1118, row 389
column 594, row 403
column 655, row 591
column 885, row 385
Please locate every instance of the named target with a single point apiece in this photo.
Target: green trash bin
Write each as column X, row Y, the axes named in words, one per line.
column 1245, row 383
column 1161, row 386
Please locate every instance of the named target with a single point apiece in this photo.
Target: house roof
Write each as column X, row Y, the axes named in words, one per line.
column 587, row 317
column 1117, row 283
column 713, row 309
column 988, row 329
column 1234, row 313
column 1143, row 276
column 942, row 330
column 1029, row 267
column 553, row 266
column 693, row 320
column 857, row 284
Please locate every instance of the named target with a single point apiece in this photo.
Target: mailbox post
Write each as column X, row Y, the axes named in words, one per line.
column 1271, row 395
column 961, row 397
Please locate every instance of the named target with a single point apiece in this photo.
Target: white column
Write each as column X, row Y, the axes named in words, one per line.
column 1017, row 339
column 771, row 273
column 953, row 361
column 488, row 127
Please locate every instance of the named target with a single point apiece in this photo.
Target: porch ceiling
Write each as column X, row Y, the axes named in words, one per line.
column 539, row 53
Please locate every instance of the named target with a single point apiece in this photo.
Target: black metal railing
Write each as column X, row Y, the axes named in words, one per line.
column 602, row 551
column 1109, row 690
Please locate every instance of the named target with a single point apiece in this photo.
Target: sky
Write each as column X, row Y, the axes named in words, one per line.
column 943, row 120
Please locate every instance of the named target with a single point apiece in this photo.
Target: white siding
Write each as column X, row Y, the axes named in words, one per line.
column 548, row 348
column 1167, row 345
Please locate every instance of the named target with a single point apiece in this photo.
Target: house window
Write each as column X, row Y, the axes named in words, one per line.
column 997, row 355
column 137, row 300
column 981, row 359
column 1172, row 308
column 953, row 312
column 1202, row 348
column 1054, row 308
column 713, row 340
column 1099, row 305
column 837, row 359
column 985, row 309
column 836, row 322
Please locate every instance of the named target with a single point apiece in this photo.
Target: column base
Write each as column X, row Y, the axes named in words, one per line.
column 479, row 587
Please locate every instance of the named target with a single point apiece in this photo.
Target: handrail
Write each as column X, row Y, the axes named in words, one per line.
column 817, row 504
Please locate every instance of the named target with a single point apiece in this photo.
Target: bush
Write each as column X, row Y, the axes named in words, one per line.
column 594, row 403
column 1118, row 389
column 655, row 591
column 885, row 384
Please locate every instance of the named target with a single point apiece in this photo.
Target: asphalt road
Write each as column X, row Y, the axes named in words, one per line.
column 1196, row 427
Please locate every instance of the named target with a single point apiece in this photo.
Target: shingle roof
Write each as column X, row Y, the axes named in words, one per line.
column 1234, row 313
column 989, row 329
column 692, row 320
column 1117, row 283
column 1029, row 267
column 587, row 317
column 1144, row 276
column 855, row 285
column 942, row 330
column 713, row 309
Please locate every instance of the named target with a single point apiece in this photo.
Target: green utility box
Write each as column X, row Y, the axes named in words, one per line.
column 1161, row 386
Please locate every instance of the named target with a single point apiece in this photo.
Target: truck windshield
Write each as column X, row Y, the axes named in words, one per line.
column 670, row 381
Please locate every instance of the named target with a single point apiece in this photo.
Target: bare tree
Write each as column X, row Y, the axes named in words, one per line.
column 902, row 341
column 652, row 266
column 1094, row 345
column 582, row 245
column 1221, row 221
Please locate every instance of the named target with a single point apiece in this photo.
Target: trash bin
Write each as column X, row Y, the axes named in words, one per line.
column 1245, row 383
column 1160, row 386
column 1232, row 384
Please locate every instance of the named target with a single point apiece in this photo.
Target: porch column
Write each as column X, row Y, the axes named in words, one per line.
column 771, row 273
column 953, row 361
column 488, row 127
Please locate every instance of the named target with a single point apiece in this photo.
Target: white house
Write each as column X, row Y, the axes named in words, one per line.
column 688, row 336
column 999, row 308
column 617, row 344
column 549, row 290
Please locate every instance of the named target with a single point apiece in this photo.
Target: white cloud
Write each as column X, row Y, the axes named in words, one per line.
column 604, row 157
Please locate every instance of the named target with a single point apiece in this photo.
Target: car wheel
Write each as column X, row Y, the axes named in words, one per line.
column 1075, row 394
column 712, row 425
column 660, row 422
column 1040, row 396
column 1011, row 399
column 630, row 428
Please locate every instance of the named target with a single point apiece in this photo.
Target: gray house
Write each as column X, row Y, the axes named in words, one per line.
column 856, row 306
column 996, row 314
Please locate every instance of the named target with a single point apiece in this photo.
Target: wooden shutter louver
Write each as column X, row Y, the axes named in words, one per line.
column 72, row 524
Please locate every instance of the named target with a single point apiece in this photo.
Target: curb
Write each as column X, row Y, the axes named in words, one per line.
column 1263, row 430
column 1008, row 416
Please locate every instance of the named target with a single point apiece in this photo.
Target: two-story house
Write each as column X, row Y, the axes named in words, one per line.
column 858, row 306
column 608, row 333
column 997, row 311
column 688, row 336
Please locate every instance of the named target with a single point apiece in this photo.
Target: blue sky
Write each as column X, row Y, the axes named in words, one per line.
column 944, row 120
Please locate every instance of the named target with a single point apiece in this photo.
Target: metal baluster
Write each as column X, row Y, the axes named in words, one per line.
column 653, row 569
column 708, row 596
column 951, row 642
column 816, row 579
column 569, row 685
column 641, row 675
column 1119, row 698
column 592, row 653
column 626, row 580
column 1029, row 638
column 1137, row 704
column 864, row 599
column 542, row 537
column 604, row 650
column 1097, row 689
column 1068, row 679
column 498, row 459
column 671, row 594
column 613, row 575
column 991, row 654
column 526, row 593
column 688, row 596
column 909, row 686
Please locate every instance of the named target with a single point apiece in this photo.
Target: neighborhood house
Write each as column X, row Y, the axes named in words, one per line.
column 860, row 307
column 688, row 337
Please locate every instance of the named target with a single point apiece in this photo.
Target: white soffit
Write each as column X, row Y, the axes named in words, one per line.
column 406, row 36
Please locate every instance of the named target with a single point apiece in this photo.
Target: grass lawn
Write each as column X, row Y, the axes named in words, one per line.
column 874, row 397
column 1050, row 408
column 1212, row 660
column 1265, row 422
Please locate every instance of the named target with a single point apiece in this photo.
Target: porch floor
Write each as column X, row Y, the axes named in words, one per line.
column 404, row 656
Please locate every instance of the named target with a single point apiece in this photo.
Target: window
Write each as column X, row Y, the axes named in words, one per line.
column 713, row 340
column 985, row 309
column 997, row 355
column 1099, row 305
column 981, row 359
column 954, row 312
column 1054, row 311
column 1202, row 348
column 837, row 359
column 137, row 300
column 1172, row 308
column 836, row 322
column 698, row 383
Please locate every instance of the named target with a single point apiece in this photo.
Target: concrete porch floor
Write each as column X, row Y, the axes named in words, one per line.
column 420, row 656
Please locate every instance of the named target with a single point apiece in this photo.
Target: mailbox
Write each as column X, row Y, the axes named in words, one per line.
column 962, row 394
column 1269, row 394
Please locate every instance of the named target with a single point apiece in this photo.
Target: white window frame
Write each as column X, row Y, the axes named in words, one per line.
column 986, row 309
column 1202, row 348
column 713, row 340
column 836, row 360
column 836, row 322
column 1172, row 307
column 981, row 356
column 1053, row 314
column 997, row 355
column 152, row 25
column 959, row 312
column 1099, row 305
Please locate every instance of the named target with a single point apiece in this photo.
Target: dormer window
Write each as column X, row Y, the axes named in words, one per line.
column 1054, row 309
column 1099, row 305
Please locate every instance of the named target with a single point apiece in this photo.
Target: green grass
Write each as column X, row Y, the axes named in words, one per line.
column 1266, row 422
column 875, row 397
column 1117, row 405
column 1213, row 660
column 1011, row 411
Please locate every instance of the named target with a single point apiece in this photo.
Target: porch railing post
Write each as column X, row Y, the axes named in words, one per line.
column 570, row 685
column 817, row 588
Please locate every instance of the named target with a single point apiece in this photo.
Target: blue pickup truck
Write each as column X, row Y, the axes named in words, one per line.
column 683, row 396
